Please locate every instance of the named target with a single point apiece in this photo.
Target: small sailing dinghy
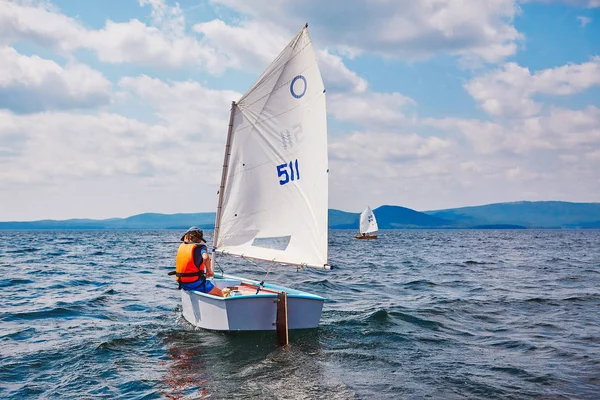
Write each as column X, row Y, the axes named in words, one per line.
column 273, row 195
column 368, row 225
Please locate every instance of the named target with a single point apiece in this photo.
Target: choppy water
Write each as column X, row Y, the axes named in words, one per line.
column 415, row 314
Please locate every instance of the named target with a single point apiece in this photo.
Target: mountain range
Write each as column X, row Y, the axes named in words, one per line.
column 516, row 215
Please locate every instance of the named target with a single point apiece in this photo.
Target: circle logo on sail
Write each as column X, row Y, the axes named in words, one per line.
column 294, row 92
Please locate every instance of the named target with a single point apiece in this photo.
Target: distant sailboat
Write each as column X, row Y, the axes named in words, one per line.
column 273, row 196
column 368, row 225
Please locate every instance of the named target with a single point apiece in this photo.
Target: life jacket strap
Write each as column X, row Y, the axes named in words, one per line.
column 189, row 274
column 200, row 274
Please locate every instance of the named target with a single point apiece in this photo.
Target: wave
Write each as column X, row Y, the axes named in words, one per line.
column 24, row 250
column 55, row 312
column 381, row 318
column 422, row 322
column 19, row 334
column 56, row 252
column 419, row 282
column 119, row 343
column 324, row 284
column 14, row 282
column 473, row 262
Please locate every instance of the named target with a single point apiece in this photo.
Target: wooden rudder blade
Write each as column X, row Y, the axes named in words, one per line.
column 282, row 319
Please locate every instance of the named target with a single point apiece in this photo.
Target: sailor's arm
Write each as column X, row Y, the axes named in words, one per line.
column 208, row 265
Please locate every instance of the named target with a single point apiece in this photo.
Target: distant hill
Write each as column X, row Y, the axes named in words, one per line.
column 343, row 220
column 519, row 215
column 166, row 221
column 530, row 214
column 394, row 217
column 387, row 217
column 140, row 221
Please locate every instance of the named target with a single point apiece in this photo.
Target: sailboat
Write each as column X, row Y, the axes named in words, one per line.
column 368, row 225
column 272, row 203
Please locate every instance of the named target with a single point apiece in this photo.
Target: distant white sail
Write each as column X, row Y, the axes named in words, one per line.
column 368, row 223
column 275, row 194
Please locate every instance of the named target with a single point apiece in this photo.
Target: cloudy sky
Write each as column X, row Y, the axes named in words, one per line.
column 112, row 108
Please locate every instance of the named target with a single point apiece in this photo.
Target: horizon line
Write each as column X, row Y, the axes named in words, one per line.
column 336, row 209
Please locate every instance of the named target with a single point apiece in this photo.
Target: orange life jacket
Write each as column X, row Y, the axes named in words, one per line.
column 186, row 270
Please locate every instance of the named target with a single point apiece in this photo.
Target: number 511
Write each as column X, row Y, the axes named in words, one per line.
column 288, row 175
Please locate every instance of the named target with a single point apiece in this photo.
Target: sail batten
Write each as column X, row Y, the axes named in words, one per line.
column 276, row 181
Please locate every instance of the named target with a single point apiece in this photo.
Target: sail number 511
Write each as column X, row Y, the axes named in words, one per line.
column 287, row 172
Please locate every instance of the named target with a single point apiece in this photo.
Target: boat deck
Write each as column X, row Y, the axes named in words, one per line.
column 247, row 289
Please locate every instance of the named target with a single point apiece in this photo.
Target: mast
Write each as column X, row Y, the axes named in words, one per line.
column 223, row 181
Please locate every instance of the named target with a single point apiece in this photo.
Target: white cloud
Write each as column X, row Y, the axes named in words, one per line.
column 399, row 29
column 533, row 158
column 568, row 79
column 520, row 174
column 90, row 156
column 191, row 132
column 593, row 155
column 164, row 45
column 370, row 109
column 429, row 172
column 169, row 19
column 186, row 107
column 386, row 147
column 32, row 84
column 572, row 129
column 558, row 130
column 389, row 167
column 504, row 92
column 577, row 3
column 485, row 137
column 99, row 166
column 146, row 166
column 252, row 45
column 584, row 20
column 39, row 24
column 508, row 91
column 98, row 145
column 336, row 76
column 135, row 42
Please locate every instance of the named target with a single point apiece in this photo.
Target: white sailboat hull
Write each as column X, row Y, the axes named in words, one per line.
column 254, row 312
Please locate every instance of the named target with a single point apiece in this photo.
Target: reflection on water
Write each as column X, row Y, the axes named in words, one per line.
column 187, row 373
column 203, row 364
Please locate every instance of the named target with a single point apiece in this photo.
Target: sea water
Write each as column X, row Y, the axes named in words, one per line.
column 415, row 314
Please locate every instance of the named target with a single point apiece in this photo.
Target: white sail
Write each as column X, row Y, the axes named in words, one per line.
column 275, row 180
column 368, row 223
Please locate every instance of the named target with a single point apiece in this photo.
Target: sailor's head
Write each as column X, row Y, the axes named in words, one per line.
column 193, row 235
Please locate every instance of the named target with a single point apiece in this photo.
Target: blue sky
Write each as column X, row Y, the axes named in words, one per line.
column 115, row 108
